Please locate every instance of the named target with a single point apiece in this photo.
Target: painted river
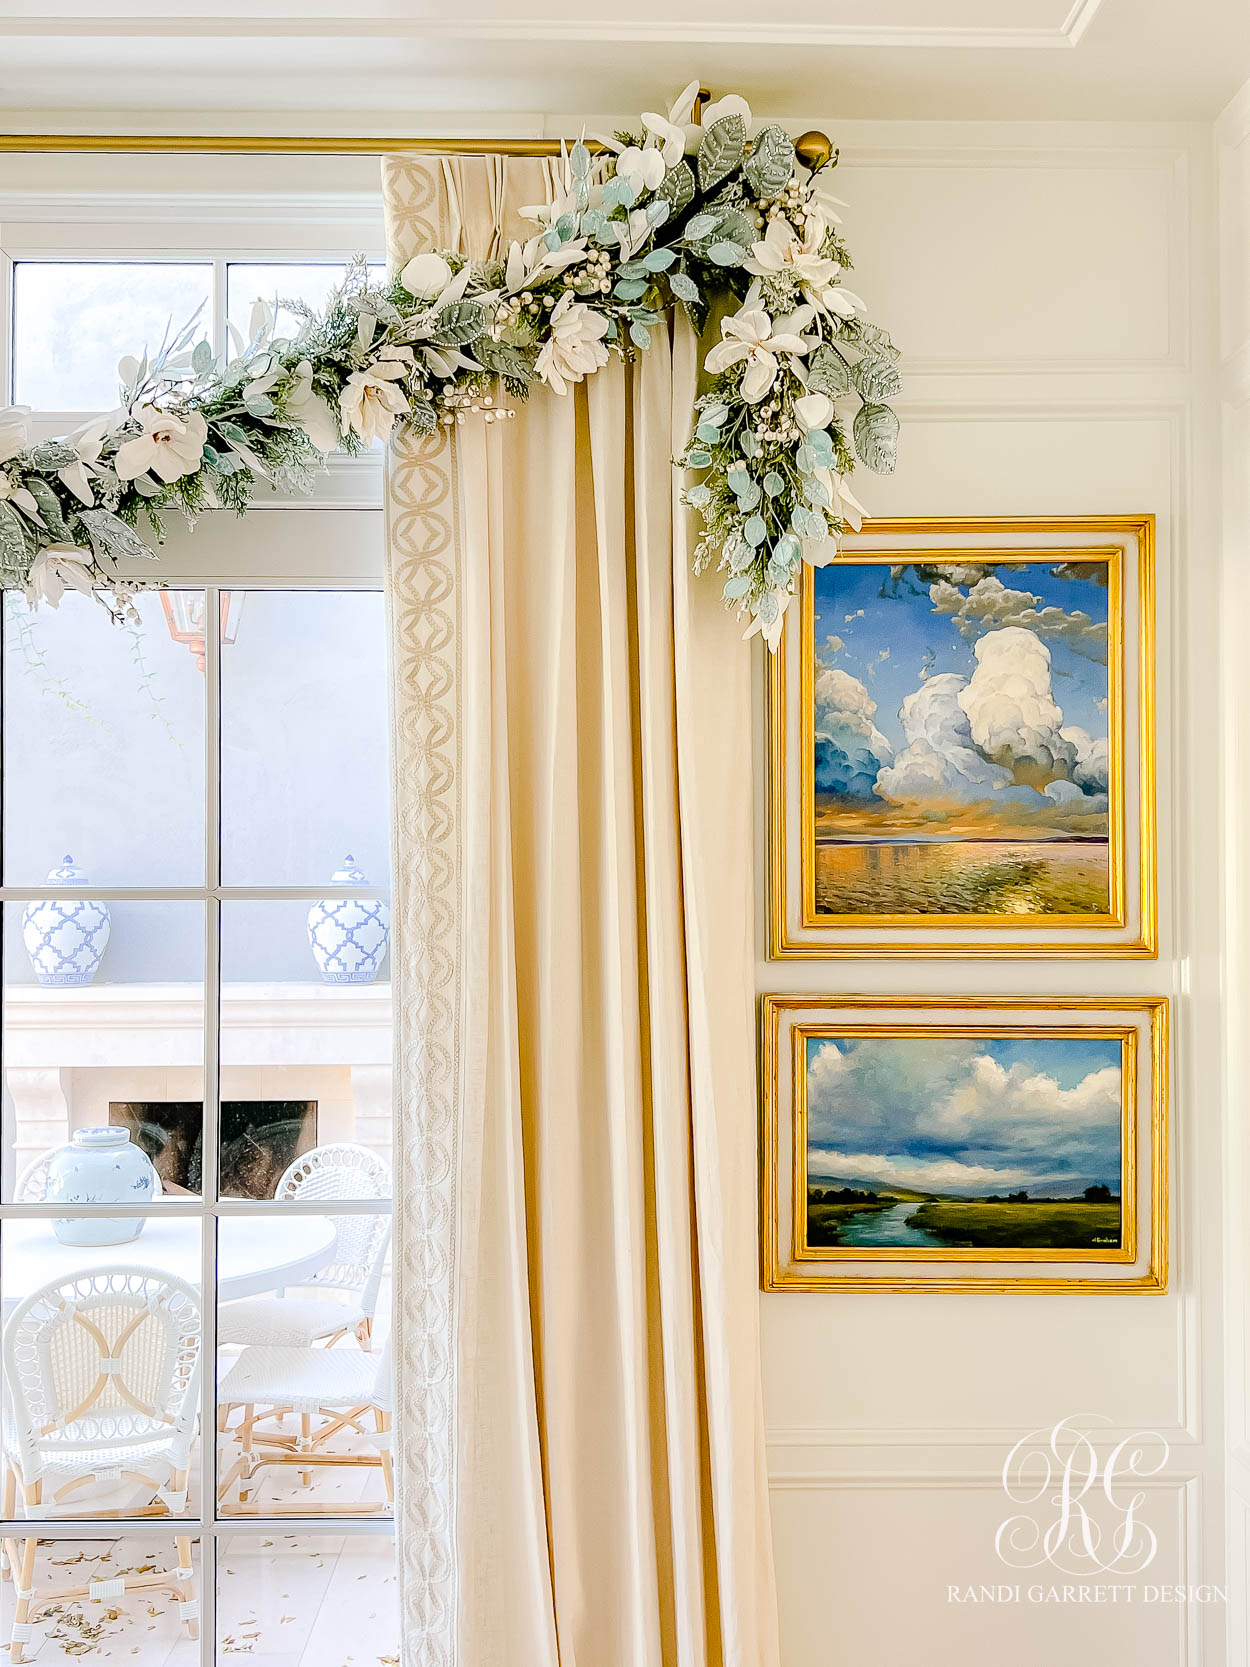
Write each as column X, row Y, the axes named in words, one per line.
column 883, row 1227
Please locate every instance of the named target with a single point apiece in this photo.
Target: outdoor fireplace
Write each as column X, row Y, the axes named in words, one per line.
column 259, row 1139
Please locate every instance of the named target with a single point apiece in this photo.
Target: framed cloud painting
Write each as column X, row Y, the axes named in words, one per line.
column 971, row 1144
column 961, row 735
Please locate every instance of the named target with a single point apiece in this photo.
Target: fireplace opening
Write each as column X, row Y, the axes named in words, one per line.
column 259, row 1140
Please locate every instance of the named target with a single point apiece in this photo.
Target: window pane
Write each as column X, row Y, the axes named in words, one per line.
column 311, row 282
column 103, row 1017
column 141, row 1624
column 304, row 739
column 75, row 1292
column 104, row 741
column 308, row 1600
column 305, row 1060
column 303, row 1355
column 73, row 320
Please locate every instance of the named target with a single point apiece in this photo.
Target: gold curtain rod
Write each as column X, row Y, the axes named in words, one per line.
column 228, row 144
column 814, row 149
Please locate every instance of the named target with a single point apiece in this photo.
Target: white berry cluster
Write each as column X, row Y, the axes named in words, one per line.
column 461, row 406
column 776, row 425
column 594, row 277
column 791, row 202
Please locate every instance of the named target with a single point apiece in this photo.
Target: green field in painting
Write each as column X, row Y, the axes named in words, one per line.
column 1045, row 1224
column 914, row 1220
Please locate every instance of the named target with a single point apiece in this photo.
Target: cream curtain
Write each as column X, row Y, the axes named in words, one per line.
column 581, row 1453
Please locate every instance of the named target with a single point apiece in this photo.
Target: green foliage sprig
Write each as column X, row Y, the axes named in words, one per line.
column 728, row 226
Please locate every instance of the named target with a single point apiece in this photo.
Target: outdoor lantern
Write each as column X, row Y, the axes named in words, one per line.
column 184, row 614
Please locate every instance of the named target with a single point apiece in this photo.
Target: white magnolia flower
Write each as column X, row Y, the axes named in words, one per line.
column 770, row 629
column 782, row 250
column 170, row 447
column 751, row 337
column 59, row 568
column 13, row 492
column 575, row 347
column 13, row 431
column 813, row 411
column 371, row 400
column 730, row 105
column 426, row 276
column 309, row 411
column 644, row 169
column 669, row 131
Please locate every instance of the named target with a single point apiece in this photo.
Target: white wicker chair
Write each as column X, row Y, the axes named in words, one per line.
column 343, row 1387
column 102, row 1374
column 31, row 1186
column 356, row 1266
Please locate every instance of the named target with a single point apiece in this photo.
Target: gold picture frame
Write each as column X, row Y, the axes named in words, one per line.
column 1128, row 927
column 1132, row 1029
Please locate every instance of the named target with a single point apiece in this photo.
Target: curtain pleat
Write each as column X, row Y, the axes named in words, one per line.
column 581, row 1476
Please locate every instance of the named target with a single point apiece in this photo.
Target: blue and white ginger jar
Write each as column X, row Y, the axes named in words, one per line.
column 348, row 935
column 65, row 937
column 101, row 1165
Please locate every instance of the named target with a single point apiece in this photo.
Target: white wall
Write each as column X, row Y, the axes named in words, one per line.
column 1051, row 289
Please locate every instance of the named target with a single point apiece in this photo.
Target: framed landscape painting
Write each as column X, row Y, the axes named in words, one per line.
column 970, row 1144
column 962, row 745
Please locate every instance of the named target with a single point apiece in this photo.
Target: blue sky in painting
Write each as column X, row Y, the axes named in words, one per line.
column 965, row 1116
column 923, row 642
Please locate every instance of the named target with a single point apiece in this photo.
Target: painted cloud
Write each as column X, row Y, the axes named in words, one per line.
column 990, row 605
column 950, row 1116
column 850, row 749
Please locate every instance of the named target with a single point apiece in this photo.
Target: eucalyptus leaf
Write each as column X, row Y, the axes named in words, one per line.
column 683, row 287
column 774, row 485
column 876, row 437
column 631, row 289
column 659, row 260
column 708, row 432
column 579, row 160
column 750, row 445
column 755, row 531
column 737, row 587
column 202, row 358
column 639, row 335
column 700, row 226
column 720, row 150
column 770, row 163
column 727, row 254
column 698, row 458
column 698, row 496
column 738, row 478
column 748, row 498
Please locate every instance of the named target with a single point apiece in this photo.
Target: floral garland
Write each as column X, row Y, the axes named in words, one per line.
column 693, row 215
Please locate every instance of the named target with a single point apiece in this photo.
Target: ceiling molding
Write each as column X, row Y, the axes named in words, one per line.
column 627, row 27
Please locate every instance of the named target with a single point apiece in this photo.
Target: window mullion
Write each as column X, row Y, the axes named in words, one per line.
column 210, row 1126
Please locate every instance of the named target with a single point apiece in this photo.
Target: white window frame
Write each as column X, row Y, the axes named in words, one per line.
column 338, row 547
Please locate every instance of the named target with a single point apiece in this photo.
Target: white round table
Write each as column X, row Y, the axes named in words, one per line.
column 254, row 1255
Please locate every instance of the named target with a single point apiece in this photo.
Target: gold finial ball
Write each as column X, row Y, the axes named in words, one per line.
column 813, row 149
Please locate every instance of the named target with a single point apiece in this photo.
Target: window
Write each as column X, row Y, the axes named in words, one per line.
column 195, row 963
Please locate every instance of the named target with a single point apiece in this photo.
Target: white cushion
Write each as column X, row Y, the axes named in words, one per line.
column 292, row 1322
